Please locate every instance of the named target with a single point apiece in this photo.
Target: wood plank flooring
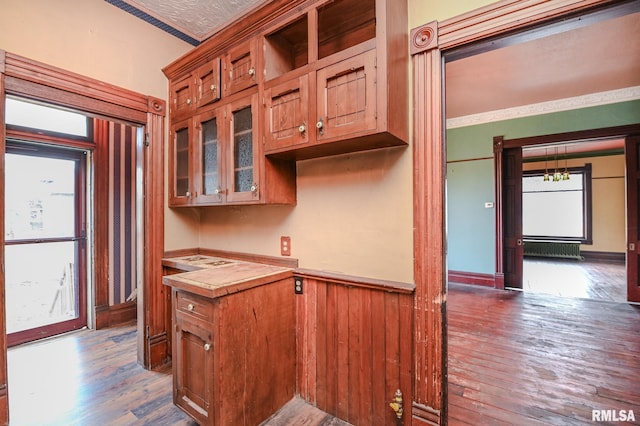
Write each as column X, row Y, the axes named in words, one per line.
column 575, row 278
column 88, row 378
column 534, row 359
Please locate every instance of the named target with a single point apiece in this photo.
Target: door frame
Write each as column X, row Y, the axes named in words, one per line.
column 428, row 43
column 500, row 145
column 81, row 212
column 24, row 77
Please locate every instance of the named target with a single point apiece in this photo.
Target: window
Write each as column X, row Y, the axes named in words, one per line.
column 557, row 210
column 24, row 114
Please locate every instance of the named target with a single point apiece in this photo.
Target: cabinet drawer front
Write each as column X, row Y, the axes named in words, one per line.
column 195, row 306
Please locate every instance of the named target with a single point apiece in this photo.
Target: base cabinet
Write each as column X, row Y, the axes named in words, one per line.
column 234, row 356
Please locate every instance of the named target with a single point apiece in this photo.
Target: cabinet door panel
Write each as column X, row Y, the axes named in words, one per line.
column 347, row 97
column 193, row 369
column 180, row 164
column 240, row 68
column 210, row 165
column 243, row 174
column 182, row 102
column 287, row 114
column 207, row 79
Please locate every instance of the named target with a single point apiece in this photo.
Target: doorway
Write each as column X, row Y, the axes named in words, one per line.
column 45, row 241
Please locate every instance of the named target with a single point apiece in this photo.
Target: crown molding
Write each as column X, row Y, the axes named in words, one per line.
column 567, row 104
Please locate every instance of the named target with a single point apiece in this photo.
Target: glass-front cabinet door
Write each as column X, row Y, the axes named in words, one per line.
column 210, row 167
column 243, row 175
column 180, row 164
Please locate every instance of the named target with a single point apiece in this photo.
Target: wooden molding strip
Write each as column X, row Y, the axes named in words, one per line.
column 603, row 256
column 503, row 16
column 247, row 257
column 355, row 281
column 461, row 277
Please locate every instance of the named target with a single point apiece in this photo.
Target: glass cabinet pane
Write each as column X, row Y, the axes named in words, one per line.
column 209, row 142
column 182, row 162
column 243, row 150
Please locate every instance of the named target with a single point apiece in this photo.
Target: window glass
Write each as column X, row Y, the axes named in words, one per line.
column 23, row 113
column 554, row 209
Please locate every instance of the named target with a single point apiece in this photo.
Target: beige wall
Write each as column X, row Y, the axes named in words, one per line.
column 354, row 212
column 608, row 201
column 98, row 40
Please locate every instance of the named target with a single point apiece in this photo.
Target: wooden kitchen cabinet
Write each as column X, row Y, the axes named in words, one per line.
column 214, row 159
column 195, row 90
column 322, row 78
column 234, row 340
column 240, row 67
column 356, row 61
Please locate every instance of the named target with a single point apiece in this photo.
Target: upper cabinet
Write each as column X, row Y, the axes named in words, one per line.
column 295, row 79
column 194, row 90
column 336, row 79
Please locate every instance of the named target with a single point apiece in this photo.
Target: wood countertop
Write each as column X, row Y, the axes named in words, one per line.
column 213, row 277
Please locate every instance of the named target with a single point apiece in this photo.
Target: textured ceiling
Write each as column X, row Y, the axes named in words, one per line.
column 191, row 20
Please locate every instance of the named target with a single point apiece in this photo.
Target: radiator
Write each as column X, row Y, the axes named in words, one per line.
column 552, row 249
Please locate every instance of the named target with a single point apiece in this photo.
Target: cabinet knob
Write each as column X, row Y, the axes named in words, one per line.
column 187, row 194
column 218, row 191
column 254, row 187
column 207, row 346
column 213, row 88
column 252, row 71
column 188, row 101
column 302, row 128
column 190, row 307
column 320, row 126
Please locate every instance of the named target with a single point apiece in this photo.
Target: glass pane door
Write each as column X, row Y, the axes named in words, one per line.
column 44, row 242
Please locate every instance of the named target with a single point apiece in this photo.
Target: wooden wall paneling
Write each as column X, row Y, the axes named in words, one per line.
column 354, row 348
column 4, row 397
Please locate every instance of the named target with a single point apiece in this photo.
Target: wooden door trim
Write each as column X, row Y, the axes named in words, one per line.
column 39, row 81
column 427, row 44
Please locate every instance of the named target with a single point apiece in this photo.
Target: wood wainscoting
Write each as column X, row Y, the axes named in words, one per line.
column 355, row 341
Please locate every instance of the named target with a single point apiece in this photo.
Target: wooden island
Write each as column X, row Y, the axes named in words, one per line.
column 234, row 338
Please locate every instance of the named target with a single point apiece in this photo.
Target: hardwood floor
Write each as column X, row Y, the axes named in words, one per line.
column 574, row 278
column 535, row 359
column 88, row 378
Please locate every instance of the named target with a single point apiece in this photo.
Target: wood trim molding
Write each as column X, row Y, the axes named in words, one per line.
column 353, row 281
column 424, row 38
column 498, row 146
column 152, row 298
column 248, row 257
column 603, row 256
column 4, row 397
column 505, row 16
column 66, row 83
column 429, row 268
column 474, row 278
column 107, row 316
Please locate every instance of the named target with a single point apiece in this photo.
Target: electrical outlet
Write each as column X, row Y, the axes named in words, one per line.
column 298, row 285
column 285, row 246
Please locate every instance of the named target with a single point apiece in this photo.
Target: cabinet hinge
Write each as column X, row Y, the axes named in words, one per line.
column 146, row 139
column 146, row 331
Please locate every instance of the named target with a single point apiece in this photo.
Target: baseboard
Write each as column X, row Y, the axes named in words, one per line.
column 603, row 256
column 423, row 415
column 108, row 316
column 474, row 278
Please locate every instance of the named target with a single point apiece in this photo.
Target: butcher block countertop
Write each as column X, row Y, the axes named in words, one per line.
column 213, row 277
